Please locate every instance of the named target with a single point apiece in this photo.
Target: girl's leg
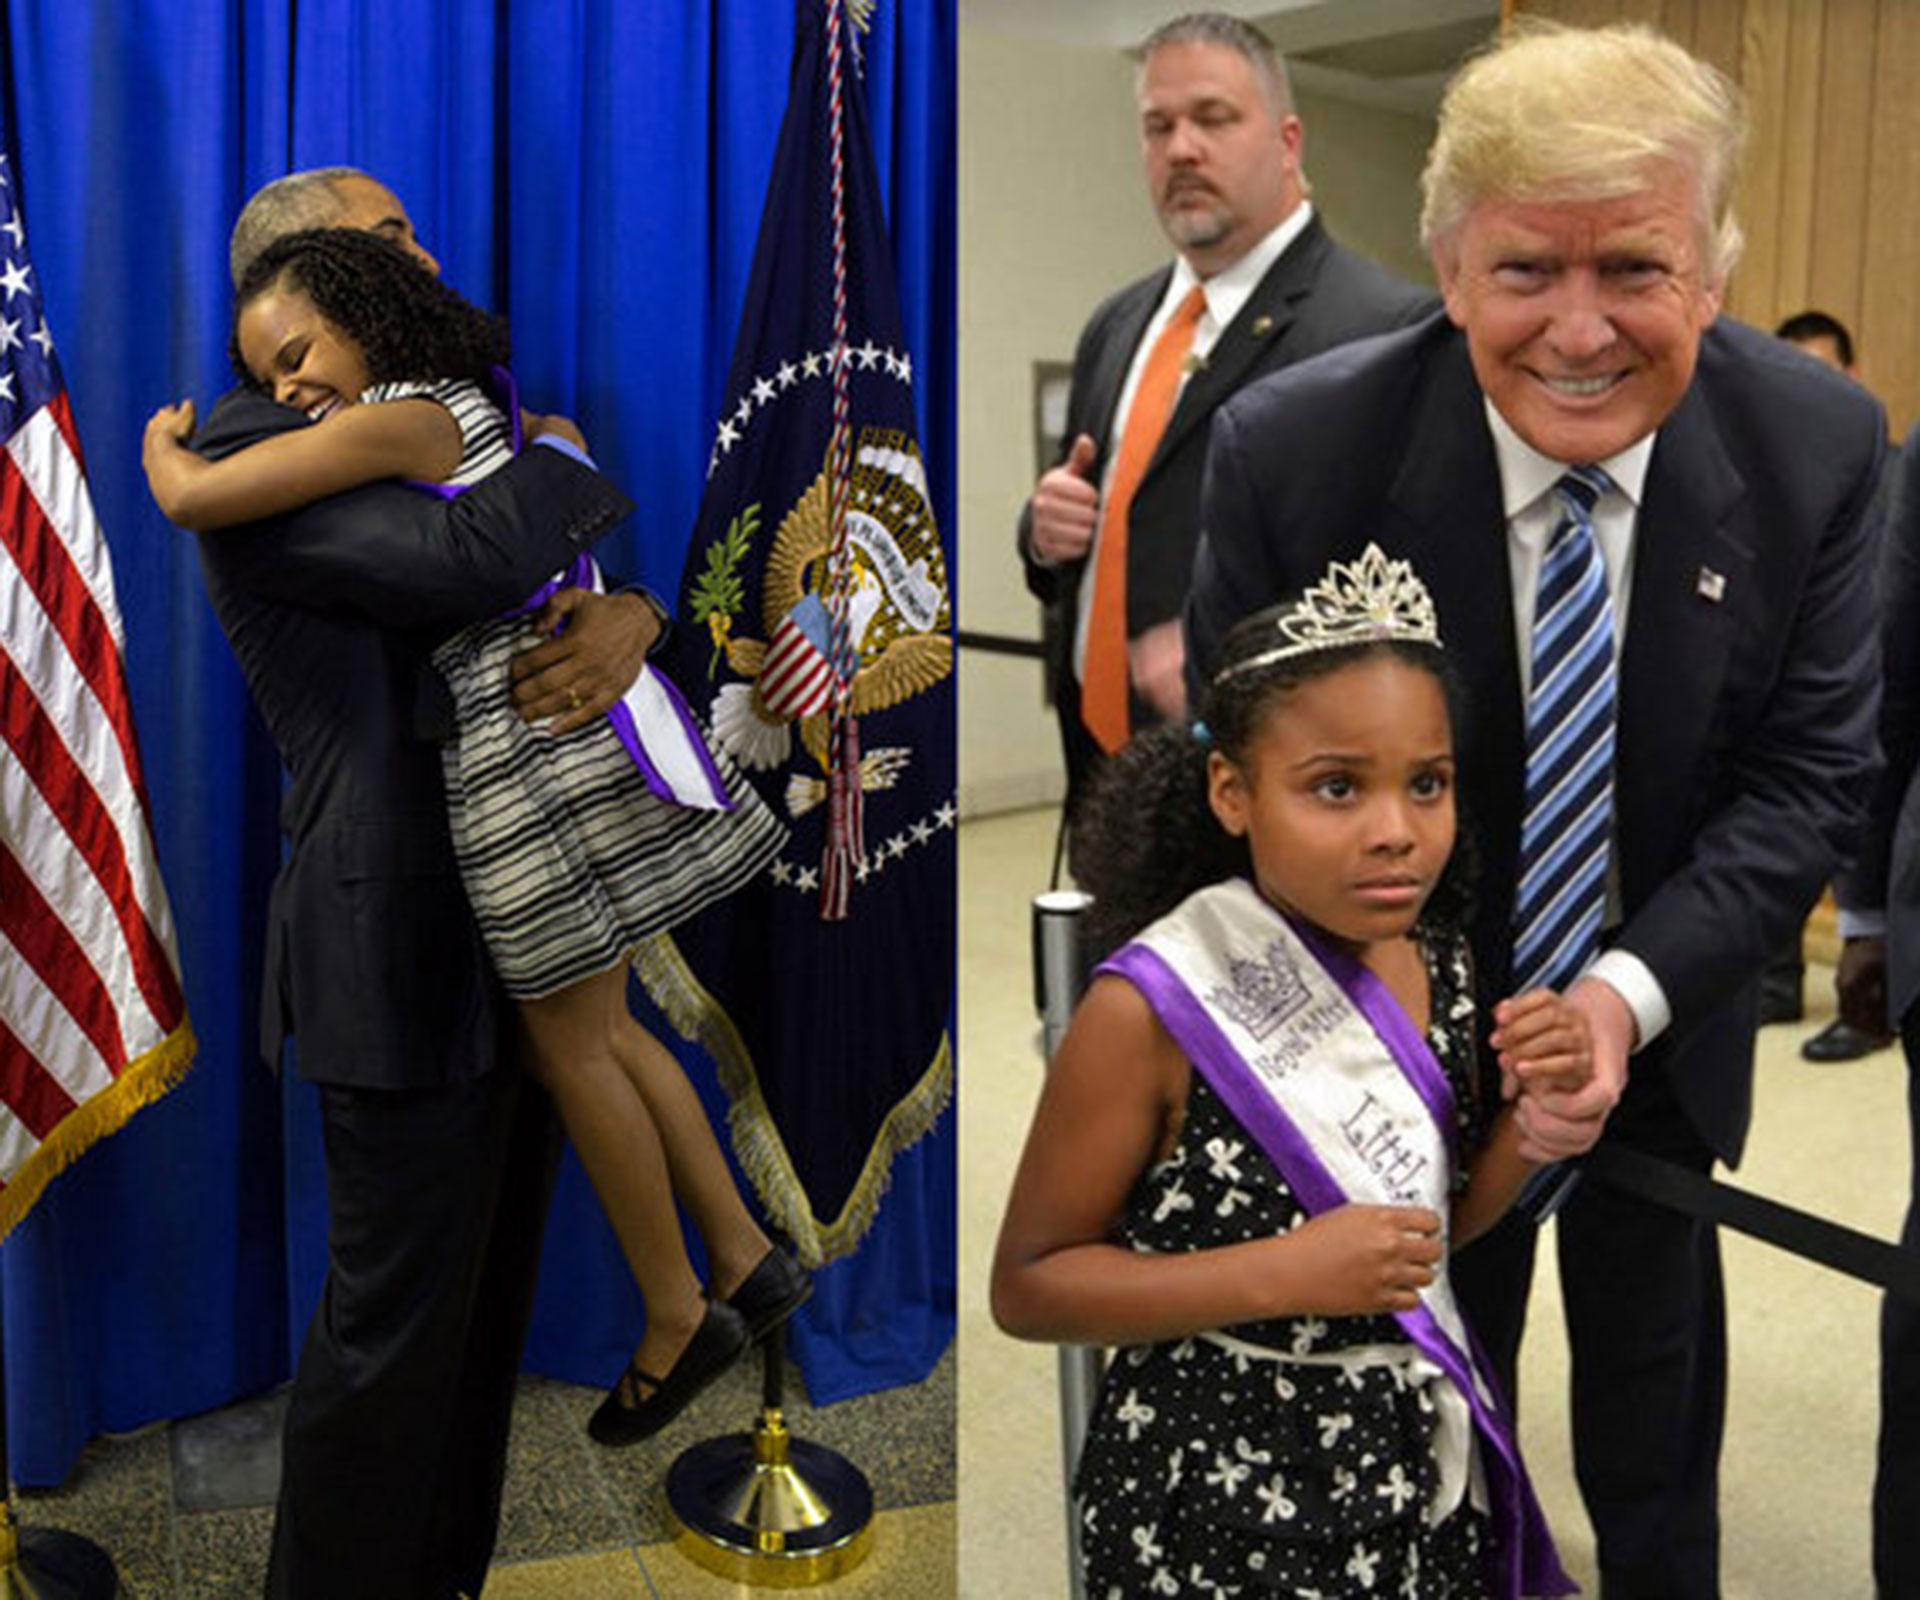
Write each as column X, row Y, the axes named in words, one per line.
column 701, row 1178
column 611, row 1127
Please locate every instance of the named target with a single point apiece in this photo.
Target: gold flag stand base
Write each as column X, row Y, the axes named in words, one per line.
column 767, row 1509
column 49, row 1564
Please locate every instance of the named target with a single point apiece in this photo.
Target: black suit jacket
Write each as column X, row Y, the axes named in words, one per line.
column 1317, row 295
column 1748, row 672
column 373, row 958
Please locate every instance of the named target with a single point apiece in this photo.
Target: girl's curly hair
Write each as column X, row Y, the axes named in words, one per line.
column 1145, row 837
column 408, row 324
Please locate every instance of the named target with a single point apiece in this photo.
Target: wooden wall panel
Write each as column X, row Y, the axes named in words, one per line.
column 1890, row 318
column 1718, row 28
column 1765, row 67
column 1843, row 141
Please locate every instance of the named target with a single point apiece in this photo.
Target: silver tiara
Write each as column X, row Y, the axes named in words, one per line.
column 1371, row 600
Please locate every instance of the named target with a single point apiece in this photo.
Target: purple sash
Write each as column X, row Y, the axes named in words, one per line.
column 1250, row 998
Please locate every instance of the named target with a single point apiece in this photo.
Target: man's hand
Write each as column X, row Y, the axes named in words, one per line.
column 1066, row 507
column 532, row 425
column 593, row 661
column 1556, row 1123
column 1861, row 985
column 1157, row 663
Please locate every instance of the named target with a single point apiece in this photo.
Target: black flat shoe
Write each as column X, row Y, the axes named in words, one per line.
column 719, row 1341
column 772, row 1292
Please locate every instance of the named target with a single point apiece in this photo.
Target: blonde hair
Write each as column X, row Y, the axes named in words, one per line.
column 1557, row 113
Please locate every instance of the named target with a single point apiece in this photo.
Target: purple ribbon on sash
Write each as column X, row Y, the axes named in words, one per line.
column 1529, row 1565
column 653, row 699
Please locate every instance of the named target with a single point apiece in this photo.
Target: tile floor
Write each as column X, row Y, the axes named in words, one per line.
column 185, row 1508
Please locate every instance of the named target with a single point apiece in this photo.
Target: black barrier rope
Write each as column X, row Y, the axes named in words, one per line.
column 1000, row 644
column 1799, row 1233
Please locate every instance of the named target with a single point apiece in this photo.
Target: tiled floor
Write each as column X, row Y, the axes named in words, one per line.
column 185, row 1512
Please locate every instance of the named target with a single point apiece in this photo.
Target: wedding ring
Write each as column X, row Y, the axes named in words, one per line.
column 573, row 699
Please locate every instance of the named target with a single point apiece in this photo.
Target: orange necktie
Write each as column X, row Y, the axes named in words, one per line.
column 1104, row 677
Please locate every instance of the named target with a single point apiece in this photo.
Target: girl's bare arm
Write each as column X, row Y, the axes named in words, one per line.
column 1111, row 1096
column 356, row 445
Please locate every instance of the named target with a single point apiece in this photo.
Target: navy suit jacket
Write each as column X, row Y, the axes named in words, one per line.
column 1748, row 673
column 373, row 958
column 1315, row 296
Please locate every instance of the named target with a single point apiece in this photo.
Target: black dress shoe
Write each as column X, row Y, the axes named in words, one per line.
column 719, row 1341
column 772, row 1292
column 1841, row 1041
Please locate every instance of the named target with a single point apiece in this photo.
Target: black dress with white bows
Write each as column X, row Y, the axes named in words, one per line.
column 1212, row 1472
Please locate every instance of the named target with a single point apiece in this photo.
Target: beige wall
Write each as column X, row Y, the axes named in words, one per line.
column 1053, row 218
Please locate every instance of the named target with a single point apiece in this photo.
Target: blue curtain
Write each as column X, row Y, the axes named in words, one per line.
column 596, row 170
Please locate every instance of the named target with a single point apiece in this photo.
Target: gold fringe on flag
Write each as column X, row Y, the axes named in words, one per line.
column 142, row 1082
column 757, row 1145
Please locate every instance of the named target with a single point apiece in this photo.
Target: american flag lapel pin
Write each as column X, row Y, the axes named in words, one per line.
column 1262, row 326
column 1711, row 586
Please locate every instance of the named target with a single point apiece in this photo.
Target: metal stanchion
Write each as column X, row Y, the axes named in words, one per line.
column 765, row 1508
column 45, row 1563
column 1059, row 976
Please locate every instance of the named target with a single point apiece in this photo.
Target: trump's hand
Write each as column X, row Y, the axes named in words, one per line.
column 1559, row 1122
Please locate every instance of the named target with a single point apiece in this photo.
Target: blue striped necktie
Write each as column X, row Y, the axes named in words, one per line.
column 1565, row 834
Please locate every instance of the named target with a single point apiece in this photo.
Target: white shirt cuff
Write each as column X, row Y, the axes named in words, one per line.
column 1862, row 924
column 1633, row 980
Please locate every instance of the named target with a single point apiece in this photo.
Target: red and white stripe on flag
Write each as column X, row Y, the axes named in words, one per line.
column 93, row 1024
column 797, row 679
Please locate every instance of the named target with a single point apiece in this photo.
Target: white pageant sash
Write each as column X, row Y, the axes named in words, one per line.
column 1323, row 1068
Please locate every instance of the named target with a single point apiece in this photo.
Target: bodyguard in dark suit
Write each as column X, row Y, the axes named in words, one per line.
column 439, row 1151
column 1880, row 972
column 1222, row 150
column 1578, row 210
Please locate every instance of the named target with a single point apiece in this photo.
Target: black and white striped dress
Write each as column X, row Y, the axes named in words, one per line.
column 569, row 859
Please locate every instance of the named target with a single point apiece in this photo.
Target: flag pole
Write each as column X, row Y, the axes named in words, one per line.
column 45, row 1563
column 765, row 1508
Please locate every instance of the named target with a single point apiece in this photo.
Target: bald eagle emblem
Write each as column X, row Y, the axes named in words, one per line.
column 898, row 622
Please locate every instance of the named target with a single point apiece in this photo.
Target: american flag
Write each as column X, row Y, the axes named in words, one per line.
column 93, row 1024
column 798, row 680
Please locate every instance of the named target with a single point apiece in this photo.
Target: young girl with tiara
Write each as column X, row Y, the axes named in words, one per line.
column 571, row 848
column 1262, row 1134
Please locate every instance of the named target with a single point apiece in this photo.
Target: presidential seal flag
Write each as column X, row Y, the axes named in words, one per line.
column 815, row 636
column 92, row 1021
